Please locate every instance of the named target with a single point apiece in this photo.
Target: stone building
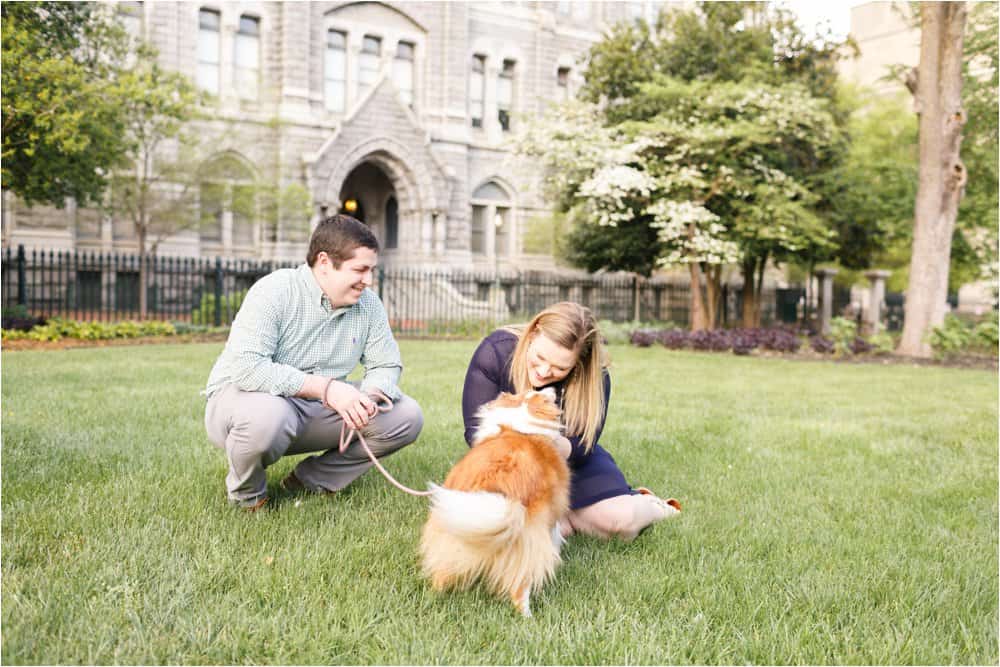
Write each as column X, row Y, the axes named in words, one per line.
column 398, row 112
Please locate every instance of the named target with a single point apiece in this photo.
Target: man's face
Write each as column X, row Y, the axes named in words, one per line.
column 344, row 285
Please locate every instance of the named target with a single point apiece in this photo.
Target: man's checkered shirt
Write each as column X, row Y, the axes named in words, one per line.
column 286, row 329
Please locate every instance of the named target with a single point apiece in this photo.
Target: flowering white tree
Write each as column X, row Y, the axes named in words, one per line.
column 711, row 174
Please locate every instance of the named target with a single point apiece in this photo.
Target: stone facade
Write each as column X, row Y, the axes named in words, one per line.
column 364, row 101
column 885, row 38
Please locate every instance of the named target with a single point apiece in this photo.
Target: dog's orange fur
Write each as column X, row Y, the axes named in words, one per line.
column 526, row 469
column 522, row 467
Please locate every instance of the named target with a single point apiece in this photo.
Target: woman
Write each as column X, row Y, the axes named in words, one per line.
column 562, row 348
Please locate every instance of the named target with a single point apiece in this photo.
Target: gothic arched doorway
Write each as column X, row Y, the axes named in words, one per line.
column 368, row 195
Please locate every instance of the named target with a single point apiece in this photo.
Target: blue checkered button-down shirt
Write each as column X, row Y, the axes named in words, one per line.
column 286, row 329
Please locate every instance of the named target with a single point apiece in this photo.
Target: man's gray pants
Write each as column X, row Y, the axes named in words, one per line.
column 256, row 429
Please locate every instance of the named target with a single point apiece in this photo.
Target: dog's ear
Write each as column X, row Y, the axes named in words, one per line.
column 506, row 400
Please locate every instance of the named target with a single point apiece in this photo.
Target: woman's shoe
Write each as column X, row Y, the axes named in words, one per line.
column 671, row 506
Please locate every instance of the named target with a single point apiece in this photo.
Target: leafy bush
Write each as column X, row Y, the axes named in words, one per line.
column 17, row 318
column 821, row 344
column 952, row 337
column 985, row 333
column 467, row 328
column 642, row 338
column 716, row 340
column 230, row 304
column 843, row 332
column 58, row 328
column 620, row 333
column 183, row 328
column 860, row 346
column 674, row 339
column 955, row 336
column 779, row 340
column 744, row 341
column 882, row 343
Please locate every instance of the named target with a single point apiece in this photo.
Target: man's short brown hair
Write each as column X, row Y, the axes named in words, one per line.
column 339, row 236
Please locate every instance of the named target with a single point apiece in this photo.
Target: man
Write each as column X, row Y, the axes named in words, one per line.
column 279, row 388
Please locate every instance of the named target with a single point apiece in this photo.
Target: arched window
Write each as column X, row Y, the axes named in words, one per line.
column 227, row 204
column 491, row 225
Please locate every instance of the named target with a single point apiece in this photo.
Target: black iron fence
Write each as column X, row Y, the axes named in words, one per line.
column 105, row 286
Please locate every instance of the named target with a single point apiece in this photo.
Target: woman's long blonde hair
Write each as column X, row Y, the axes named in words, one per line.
column 572, row 326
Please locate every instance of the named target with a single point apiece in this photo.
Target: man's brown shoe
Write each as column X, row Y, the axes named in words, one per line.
column 255, row 506
column 293, row 484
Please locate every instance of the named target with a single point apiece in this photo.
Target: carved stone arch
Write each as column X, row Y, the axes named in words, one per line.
column 370, row 11
column 228, row 156
column 410, row 179
column 509, row 190
column 228, row 205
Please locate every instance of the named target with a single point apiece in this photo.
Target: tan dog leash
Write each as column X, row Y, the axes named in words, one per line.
column 382, row 404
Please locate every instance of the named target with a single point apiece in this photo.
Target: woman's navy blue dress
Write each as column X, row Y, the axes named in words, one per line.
column 595, row 476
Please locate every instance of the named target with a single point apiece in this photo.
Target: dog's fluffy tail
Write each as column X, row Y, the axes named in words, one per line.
column 486, row 520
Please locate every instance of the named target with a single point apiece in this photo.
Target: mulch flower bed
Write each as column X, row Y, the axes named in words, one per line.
column 74, row 343
column 973, row 361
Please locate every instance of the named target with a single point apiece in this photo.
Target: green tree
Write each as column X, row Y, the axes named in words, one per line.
column 703, row 184
column 979, row 211
column 63, row 114
column 716, row 44
column 868, row 197
column 154, row 188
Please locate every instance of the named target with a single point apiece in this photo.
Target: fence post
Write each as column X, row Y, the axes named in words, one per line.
column 381, row 279
column 218, row 291
column 22, row 290
column 635, row 297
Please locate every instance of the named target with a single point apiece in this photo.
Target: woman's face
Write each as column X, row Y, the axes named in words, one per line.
column 548, row 362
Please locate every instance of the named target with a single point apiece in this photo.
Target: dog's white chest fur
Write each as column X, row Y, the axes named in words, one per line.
column 518, row 418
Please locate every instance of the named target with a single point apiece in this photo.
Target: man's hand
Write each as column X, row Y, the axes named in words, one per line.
column 563, row 446
column 355, row 407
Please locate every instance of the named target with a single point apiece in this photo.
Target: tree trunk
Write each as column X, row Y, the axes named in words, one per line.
column 758, row 288
column 748, row 293
column 143, row 274
column 942, row 174
column 698, row 318
column 713, row 278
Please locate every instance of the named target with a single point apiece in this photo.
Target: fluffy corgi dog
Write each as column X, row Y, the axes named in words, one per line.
column 496, row 517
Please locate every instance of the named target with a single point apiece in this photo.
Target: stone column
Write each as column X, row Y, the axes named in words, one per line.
column 826, row 298
column 439, row 232
column 490, row 232
column 426, row 232
column 876, row 299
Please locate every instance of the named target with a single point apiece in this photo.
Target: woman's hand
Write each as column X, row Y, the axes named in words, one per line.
column 563, row 446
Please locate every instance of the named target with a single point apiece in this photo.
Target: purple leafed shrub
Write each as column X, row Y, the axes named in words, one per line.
column 643, row 338
column 744, row 341
column 821, row 344
column 860, row 346
column 716, row 340
column 22, row 323
column 674, row 339
column 779, row 340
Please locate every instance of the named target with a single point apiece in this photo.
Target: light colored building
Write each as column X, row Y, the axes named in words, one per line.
column 886, row 36
column 400, row 112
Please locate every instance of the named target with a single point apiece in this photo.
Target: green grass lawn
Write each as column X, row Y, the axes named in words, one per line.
column 834, row 513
